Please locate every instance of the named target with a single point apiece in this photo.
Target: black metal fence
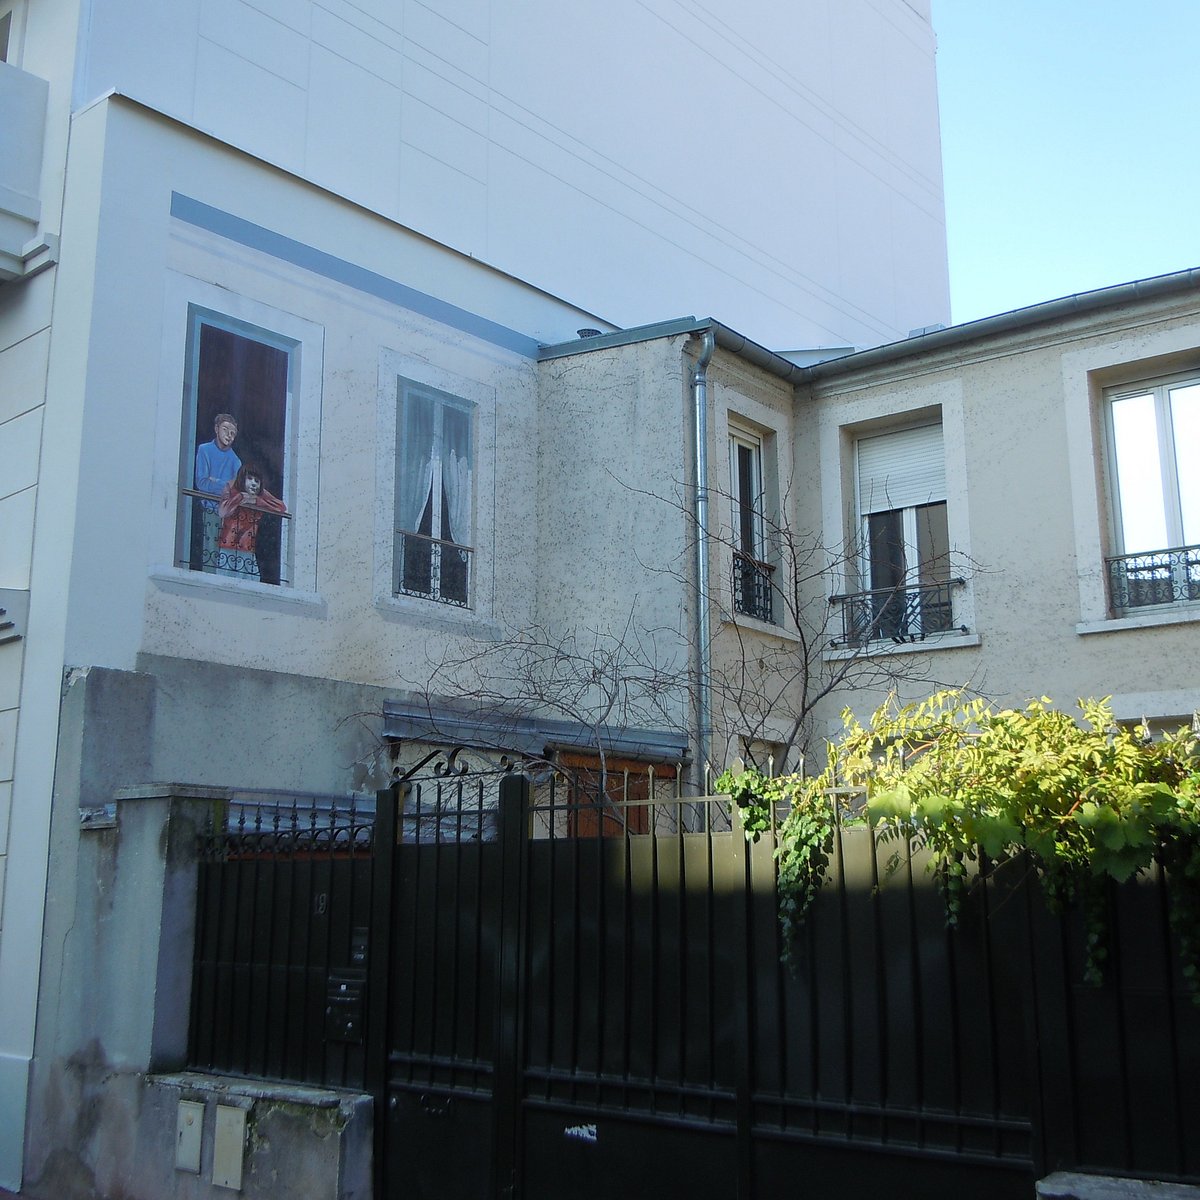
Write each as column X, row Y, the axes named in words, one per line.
column 283, row 939
column 1157, row 577
column 752, row 589
column 901, row 614
column 584, row 985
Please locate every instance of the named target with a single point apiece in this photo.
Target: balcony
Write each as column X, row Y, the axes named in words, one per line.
column 22, row 136
column 433, row 568
column 752, row 587
column 899, row 615
column 1154, row 579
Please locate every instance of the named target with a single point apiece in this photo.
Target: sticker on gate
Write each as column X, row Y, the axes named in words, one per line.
column 582, row 1133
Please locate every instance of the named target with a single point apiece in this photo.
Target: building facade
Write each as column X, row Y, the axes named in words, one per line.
column 296, row 428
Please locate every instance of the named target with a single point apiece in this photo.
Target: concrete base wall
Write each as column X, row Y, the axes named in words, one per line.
column 117, row 960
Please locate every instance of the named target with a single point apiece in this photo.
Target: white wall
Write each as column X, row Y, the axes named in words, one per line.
column 775, row 165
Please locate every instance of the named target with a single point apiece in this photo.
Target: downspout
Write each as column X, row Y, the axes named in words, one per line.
column 703, row 630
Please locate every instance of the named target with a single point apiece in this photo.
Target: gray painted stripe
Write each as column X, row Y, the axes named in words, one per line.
column 246, row 233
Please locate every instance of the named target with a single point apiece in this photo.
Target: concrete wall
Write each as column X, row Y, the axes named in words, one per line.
column 1029, row 508
column 116, row 968
column 778, row 164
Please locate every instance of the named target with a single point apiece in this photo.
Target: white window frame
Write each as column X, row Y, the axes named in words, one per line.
column 926, row 486
column 755, row 547
column 395, row 365
column 406, row 391
column 1181, row 569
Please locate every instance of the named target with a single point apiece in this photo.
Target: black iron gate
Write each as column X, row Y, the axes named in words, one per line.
column 573, row 996
column 572, row 1018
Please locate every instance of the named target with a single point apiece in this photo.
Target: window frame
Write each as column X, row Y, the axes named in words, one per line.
column 184, row 292
column 1170, row 574
column 441, row 400
column 750, row 569
column 198, row 317
column 900, row 611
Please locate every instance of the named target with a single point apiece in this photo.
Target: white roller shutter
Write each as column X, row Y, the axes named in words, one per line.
column 901, row 469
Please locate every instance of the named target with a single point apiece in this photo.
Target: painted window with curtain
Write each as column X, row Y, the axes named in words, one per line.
column 434, row 496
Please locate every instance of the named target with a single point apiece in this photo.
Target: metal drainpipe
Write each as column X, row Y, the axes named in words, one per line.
column 708, row 344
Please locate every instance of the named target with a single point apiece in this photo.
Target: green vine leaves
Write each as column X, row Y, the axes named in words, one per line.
column 1083, row 800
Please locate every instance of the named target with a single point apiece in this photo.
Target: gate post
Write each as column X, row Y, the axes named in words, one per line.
column 379, row 960
column 743, row 1005
column 506, row 1082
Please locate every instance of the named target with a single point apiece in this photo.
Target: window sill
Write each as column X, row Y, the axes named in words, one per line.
column 935, row 644
column 435, row 614
column 184, row 582
column 1184, row 614
column 754, row 625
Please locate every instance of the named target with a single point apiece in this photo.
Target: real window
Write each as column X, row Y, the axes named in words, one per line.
column 1154, row 441
column 434, row 528
column 904, row 538
column 751, row 571
column 235, row 469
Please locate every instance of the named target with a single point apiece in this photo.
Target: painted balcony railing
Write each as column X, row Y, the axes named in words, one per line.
column 433, row 568
column 907, row 614
column 250, row 544
column 1156, row 578
column 752, row 587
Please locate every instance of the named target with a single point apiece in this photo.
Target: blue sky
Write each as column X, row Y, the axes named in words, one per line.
column 1071, row 145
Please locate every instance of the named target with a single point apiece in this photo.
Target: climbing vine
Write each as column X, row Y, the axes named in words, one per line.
column 1083, row 800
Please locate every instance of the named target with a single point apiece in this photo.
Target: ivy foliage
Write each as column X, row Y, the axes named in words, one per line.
column 1082, row 800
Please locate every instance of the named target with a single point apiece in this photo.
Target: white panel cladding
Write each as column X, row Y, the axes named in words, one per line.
column 901, row 469
column 23, row 375
column 16, row 544
column 20, row 445
column 554, row 142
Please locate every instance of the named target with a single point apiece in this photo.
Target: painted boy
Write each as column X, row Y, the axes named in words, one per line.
column 216, row 466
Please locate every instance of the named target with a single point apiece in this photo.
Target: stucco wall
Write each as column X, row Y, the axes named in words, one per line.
column 1029, row 508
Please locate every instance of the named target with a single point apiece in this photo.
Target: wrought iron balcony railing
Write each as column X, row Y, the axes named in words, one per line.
column 251, row 544
column 1156, row 578
column 900, row 615
column 433, row 568
column 752, row 587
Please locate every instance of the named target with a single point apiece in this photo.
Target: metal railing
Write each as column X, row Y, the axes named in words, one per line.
column 904, row 614
column 752, row 587
column 283, row 937
column 433, row 568
column 1155, row 578
column 250, row 546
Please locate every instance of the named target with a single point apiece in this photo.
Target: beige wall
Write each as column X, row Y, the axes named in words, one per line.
column 1028, row 508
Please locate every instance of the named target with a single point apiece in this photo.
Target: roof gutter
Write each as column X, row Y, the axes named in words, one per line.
column 1080, row 304
column 726, row 338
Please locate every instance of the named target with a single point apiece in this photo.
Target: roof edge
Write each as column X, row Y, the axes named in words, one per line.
column 1079, row 304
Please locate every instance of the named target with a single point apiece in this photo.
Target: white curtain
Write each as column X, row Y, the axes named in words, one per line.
column 456, row 483
column 456, row 474
column 414, row 460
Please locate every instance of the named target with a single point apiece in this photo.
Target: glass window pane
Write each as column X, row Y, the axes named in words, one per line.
column 885, row 538
column 1139, row 474
column 933, row 544
column 1185, row 420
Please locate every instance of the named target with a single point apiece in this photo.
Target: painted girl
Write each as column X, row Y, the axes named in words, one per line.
column 242, row 506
